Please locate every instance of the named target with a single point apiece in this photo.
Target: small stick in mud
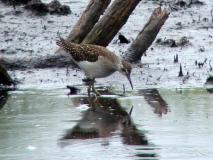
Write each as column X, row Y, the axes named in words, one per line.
column 200, row 64
column 212, row 14
column 158, row 79
column 176, row 58
column 210, row 65
column 205, row 60
column 180, row 72
column 124, row 89
column 186, row 77
column 130, row 112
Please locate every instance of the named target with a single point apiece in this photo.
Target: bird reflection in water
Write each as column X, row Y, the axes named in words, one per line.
column 104, row 118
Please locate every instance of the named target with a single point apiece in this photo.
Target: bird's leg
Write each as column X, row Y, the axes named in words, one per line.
column 95, row 91
column 88, row 82
column 93, row 88
column 89, row 90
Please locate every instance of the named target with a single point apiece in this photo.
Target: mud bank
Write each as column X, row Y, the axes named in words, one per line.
column 26, row 37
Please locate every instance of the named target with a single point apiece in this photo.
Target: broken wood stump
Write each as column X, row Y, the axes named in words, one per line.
column 147, row 35
column 112, row 21
column 89, row 17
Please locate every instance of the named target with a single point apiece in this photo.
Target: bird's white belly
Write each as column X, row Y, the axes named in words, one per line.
column 98, row 69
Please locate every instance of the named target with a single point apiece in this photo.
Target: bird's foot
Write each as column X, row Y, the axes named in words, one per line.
column 96, row 92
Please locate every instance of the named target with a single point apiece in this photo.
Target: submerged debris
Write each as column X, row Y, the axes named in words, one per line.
column 202, row 49
column 196, row 2
column 73, row 90
column 176, row 5
column 187, row 3
column 180, row 72
column 209, row 84
column 183, row 41
column 176, row 58
column 186, row 77
column 179, row 4
column 5, row 79
column 209, row 79
column 40, row 8
column 210, row 66
column 53, row 7
column 15, row 2
column 123, row 39
column 166, row 42
column 201, row 64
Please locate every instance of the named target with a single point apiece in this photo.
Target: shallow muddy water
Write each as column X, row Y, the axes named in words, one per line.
column 164, row 124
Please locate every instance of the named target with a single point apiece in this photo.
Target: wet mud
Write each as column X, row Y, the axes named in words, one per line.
column 28, row 45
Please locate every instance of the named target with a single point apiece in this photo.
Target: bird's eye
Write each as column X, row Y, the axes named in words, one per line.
column 123, row 70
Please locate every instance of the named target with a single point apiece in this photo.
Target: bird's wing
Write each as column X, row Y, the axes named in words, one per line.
column 79, row 52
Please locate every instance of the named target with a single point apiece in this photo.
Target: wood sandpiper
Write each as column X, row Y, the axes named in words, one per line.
column 96, row 61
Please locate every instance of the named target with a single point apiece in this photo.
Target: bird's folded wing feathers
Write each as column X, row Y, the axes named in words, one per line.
column 79, row 52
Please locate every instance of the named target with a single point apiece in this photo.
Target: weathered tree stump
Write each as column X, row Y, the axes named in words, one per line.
column 86, row 22
column 108, row 26
column 89, row 17
column 148, row 34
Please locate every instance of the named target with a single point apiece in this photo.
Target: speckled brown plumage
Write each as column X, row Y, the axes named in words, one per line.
column 95, row 61
column 85, row 52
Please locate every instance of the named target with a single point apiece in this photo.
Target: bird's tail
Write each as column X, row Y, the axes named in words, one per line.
column 61, row 42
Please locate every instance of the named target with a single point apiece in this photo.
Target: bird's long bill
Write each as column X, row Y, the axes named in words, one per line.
column 130, row 81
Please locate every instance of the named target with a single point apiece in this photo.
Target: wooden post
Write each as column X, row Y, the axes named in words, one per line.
column 89, row 17
column 148, row 34
column 86, row 22
column 108, row 26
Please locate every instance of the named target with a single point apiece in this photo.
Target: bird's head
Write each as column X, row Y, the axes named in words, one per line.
column 126, row 69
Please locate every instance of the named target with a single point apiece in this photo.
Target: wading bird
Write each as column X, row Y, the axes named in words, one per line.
column 96, row 61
